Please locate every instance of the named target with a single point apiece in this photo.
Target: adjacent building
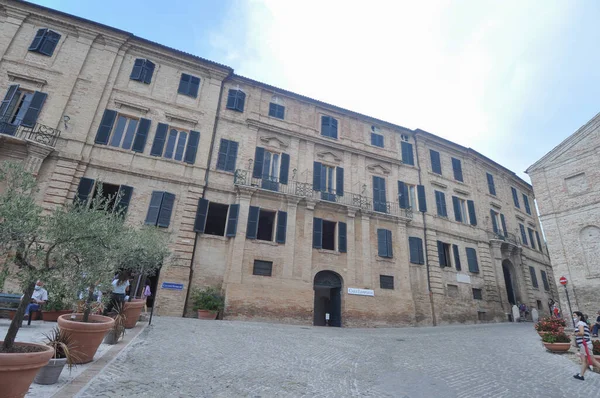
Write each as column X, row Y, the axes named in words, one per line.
column 302, row 211
column 567, row 186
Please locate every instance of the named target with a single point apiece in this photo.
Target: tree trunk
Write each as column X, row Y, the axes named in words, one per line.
column 87, row 308
column 11, row 334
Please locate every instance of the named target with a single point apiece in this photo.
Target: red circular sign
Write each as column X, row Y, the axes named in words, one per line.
column 563, row 280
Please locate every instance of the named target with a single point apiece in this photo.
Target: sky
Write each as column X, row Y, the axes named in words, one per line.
column 510, row 79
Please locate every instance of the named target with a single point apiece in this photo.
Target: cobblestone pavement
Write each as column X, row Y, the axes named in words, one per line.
column 178, row 357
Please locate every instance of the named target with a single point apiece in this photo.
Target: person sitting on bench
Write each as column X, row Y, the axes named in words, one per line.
column 38, row 298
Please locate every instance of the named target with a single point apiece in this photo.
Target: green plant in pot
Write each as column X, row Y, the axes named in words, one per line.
column 65, row 353
column 556, row 341
column 118, row 330
column 60, row 298
column 208, row 302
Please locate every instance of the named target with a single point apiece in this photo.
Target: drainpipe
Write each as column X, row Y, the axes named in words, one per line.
column 210, row 154
column 425, row 238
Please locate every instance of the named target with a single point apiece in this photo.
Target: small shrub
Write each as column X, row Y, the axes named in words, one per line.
column 550, row 325
column 596, row 344
column 555, row 337
column 63, row 346
column 209, row 299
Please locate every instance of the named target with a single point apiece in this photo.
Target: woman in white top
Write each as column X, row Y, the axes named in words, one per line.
column 584, row 342
column 117, row 297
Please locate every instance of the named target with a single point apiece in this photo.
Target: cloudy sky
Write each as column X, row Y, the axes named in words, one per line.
column 510, row 79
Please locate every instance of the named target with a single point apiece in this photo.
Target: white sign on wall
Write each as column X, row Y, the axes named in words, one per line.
column 361, row 292
column 463, row 278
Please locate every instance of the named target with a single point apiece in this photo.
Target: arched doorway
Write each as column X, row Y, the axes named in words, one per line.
column 507, row 268
column 328, row 299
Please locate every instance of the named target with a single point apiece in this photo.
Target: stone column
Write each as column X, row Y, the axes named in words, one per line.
column 366, row 251
column 290, row 239
column 305, row 257
column 351, row 247
column 236, row 258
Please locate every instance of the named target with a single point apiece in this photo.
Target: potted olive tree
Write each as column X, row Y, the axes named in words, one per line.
column 60, row 298
column 208, row 302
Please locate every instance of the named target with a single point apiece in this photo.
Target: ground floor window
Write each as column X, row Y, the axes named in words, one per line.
column 262, row 268
column 328, row 235
column 216, row 219
column 477, row 294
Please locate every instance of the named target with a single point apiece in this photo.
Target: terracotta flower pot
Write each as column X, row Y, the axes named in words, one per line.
column 206, row 314
column 87, row 336
column 133, row 309
column 557, row 347
column 35, row 315
column 52, row 316
column 18, row 370
column 50, row 373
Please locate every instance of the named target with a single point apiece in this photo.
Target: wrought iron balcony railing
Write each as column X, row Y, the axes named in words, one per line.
column 305, row 190
column 39, row 133
column 507, row 237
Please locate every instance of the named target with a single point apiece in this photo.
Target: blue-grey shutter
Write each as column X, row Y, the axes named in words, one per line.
column 184, row 84
column 339, row 181
column 456, row 257
column 317, row 176
column 407, row 153
column 503, row 222
column 159, row 140
column 166, row 208
column 154, row 208
column 148, row 71
column 231, row 156
column 441, row 254
column 379, row 202
column 194, row 86
column 531, row 238
column 317, row 233
column 201, row 212
column 222, row 155
column 457, row 168
column 515, row 196
column 422, row 199
column 494, row 223
column 534, row 281
column 136, row 72
column 49, row 43
column 440, row 198
column 545, row 280
column 192, row 147
column 84, row 190
column 402, row 195
column 124, row 196
column 389, row 243
column 523, row 234
column 281, row 227
column 240, row 101
column 472, row 215
column 457, row 212
column 252, row 228
column 537, row 235
column 526, row 202
column 106, row 124
column 259, row 158
column 415, row 247
column 436, row 164
column 8, row 102
column 37, row 40
column 139, row 142
column 381, row 242
column 284, row 168
column 491, row 186
column 232, row 220
column 342, row 237
column 33, row 111
column 472, row 260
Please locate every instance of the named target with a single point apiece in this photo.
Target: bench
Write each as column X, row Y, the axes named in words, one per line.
column 16, row 299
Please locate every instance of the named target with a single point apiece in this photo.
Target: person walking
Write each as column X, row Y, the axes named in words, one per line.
column 147, row 293
column 117, row 297
column 584, row 342
column 596, row 326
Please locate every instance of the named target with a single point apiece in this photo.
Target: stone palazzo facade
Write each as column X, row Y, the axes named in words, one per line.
column 302, row 211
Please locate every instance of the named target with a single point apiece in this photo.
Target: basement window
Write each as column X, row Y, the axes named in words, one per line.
column 216, row 219
column 477, row 294
column 266, row 223
column 328, row 235
column 262, row 268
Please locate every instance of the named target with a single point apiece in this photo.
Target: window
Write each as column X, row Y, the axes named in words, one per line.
column 189, row 85
column 444, row 254
column 531, row 240
column 329, row 180
column 384, row 243
column 20, row 108
column 415, row 246
column 227, row 155
column 328, row 235
column 515, row 196
column 176, row 144
column 160, row 209
column 537, row 236
column 262, row 225
column 262, row 268
column 523, row 234
column 236, row 99
column 491, row 186
column 545, row 281
column 472, row 260
column 452, row 290
column 539, row 305
column 44, row 42
column 440, row 201
column 117, row 196
column 379, row 196
column 436, row 164
column 271, row 167
column 526, row 203
column 460, row 210
column 456, row 257
column 276, row 110
column 216, row 218
column 329, row 127
column 498, row 223
column 477, row 294
column 142, row 71
column 266, row 224
column 407, row 153
column 386, row 282
column 324, row 235
column 534, row 281
column 408, row 196
column 457, row 168
column 377, row 140
column 121, row 131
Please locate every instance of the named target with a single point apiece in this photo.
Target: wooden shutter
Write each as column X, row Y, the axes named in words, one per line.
column 407, row 153
column 545, row 280
column 192, row 147
column 166, row 208
column 342, row 237
column 413, row 248
column 124, row 197
column 84, row 190
column 441, row 254
column 494, row 222
column 154, row 208
column 436, row 165
column 281, row 227
column 515, row 196
column 231, row 156
column 457, row 210
column 339, row 181
column 440, row 198
column 389, row 243
column 232, row 220
column 259, row 158
column 503, row 222
column 402, row 195
column 490, row 181
column 106, row 124
column 456, row 257
column 317, row 176
column 532, row 242
column 252, row 228
column 33, row 111
column 472, row 260
column 534, row 281
column 240, row 100
column 317, row 233
column 184, row 83
column 139, row 142
column 523, row 234
column 472, row 214
column 537, row 235
column 526, row 202
column 148, row 70
column 422, row 198
column 37, row 40
column 222, row 155
column 381, row 242
column 159, row 140
column 49, row 43
column 201, row 213
column 8, row 102
column 284, row 168
column 136, row 72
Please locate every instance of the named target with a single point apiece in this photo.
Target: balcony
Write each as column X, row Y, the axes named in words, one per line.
column 509, row 238
column 37, row 133
column 305, row 190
